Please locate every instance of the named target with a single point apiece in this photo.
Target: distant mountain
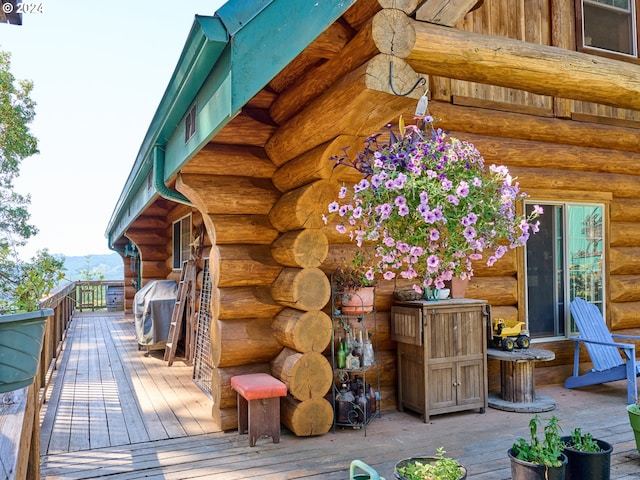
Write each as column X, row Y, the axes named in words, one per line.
column 110, row 266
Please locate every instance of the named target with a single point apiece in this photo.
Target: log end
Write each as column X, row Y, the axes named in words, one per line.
column 308, row 418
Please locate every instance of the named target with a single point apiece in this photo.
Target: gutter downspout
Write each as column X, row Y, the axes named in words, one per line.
column 158, row 179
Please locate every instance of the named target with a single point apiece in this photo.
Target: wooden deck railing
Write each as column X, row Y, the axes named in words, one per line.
column 20, row 409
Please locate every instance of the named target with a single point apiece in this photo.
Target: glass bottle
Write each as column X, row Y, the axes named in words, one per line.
column 364, row 412
column 344, row 404
column 342, row 355
column 371, row 398
column 367, row 355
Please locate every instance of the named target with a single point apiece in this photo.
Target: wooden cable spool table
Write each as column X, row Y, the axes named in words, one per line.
column 517, row 381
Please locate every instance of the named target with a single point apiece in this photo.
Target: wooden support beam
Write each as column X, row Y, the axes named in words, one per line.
column 551, row 130
column 327, row 45
column 242, row 341
column 526, row 153
column 625, row 210
column 545, row 70
column 228, row 229
column 306, row 248
column 407, row 6
column 303, row 207
column 239, row 160
column 625, row 186
column 306, row 289
column 360, row 12
column 625, row 315
column 315, row 165
column 446, row 12
column 358, row 103
column 245, row 265
column 316, row 80
column 214, row 194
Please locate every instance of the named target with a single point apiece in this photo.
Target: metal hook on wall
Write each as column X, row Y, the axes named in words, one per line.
column 420, row 81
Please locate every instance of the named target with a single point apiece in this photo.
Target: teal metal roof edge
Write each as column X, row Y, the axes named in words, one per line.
column 263, row 37
column 206, row 41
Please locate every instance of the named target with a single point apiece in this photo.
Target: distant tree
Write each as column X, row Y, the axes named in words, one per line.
column 88, row 274
column 22, row 284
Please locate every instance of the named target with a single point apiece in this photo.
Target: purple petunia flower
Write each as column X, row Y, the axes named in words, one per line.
column 433, row 263
column 400, row 200
column 463, row 189
column 469, row 233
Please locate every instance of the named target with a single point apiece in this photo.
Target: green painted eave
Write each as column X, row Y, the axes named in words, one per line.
column 226, row 61
column 206, row 41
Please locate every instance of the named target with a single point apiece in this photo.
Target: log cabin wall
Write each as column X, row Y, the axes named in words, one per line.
column 553, row 159
column 262, row 183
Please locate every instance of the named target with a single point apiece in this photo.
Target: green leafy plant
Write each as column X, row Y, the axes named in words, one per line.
column 22, row 284
column 546, row 451
column 354, row 274
column 442, row 468
column 635, row 407
column 583, row 442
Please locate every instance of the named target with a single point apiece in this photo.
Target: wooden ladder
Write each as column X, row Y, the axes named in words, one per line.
column 185, row 286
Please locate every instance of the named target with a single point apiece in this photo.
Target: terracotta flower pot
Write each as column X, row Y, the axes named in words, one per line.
column 459, row 287
column 358, row 302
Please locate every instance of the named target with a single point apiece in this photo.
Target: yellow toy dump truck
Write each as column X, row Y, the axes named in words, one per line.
column 509, row 334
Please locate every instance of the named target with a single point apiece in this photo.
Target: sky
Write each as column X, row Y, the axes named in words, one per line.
column 99, row 70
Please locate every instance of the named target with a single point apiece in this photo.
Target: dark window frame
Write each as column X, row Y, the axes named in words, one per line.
column 581, row 47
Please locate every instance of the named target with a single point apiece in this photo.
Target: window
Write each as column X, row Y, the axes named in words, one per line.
column 609, row 25
column 181, row 241
column 564, row 260
column 190, row 124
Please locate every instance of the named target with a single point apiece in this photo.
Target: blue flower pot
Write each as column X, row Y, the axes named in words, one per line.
column 21, row 336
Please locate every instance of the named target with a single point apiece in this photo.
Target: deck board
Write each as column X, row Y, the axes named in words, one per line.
column 159, row 425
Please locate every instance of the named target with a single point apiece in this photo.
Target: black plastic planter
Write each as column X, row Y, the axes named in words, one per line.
column 521, row 470
column 588, row 465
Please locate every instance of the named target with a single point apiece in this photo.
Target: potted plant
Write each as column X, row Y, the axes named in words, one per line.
column 430, row 468
column 634, row 419
column 356, row 283
column 429, row 206
column 21, row 336
column 537, row 458
column 588, row 458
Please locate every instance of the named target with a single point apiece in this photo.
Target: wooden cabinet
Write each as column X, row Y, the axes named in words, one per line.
column 442, row 355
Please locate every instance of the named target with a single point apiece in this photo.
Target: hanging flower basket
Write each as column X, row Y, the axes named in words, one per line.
column 21, row 336
column 429, row 206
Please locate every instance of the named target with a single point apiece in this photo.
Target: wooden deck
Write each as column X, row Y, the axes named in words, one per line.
column 118, row 415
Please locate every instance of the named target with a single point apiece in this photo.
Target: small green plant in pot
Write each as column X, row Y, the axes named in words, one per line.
column 357, row 283
column 539, row 458
column 588, row 458
column 634, row 419
column 430, row 468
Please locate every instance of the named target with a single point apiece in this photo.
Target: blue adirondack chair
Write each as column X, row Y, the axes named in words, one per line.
column 604, row 351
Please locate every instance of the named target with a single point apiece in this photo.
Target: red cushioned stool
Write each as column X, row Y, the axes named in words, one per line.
column 259, row 405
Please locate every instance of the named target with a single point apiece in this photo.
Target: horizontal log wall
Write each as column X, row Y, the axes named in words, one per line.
column 262, row 201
